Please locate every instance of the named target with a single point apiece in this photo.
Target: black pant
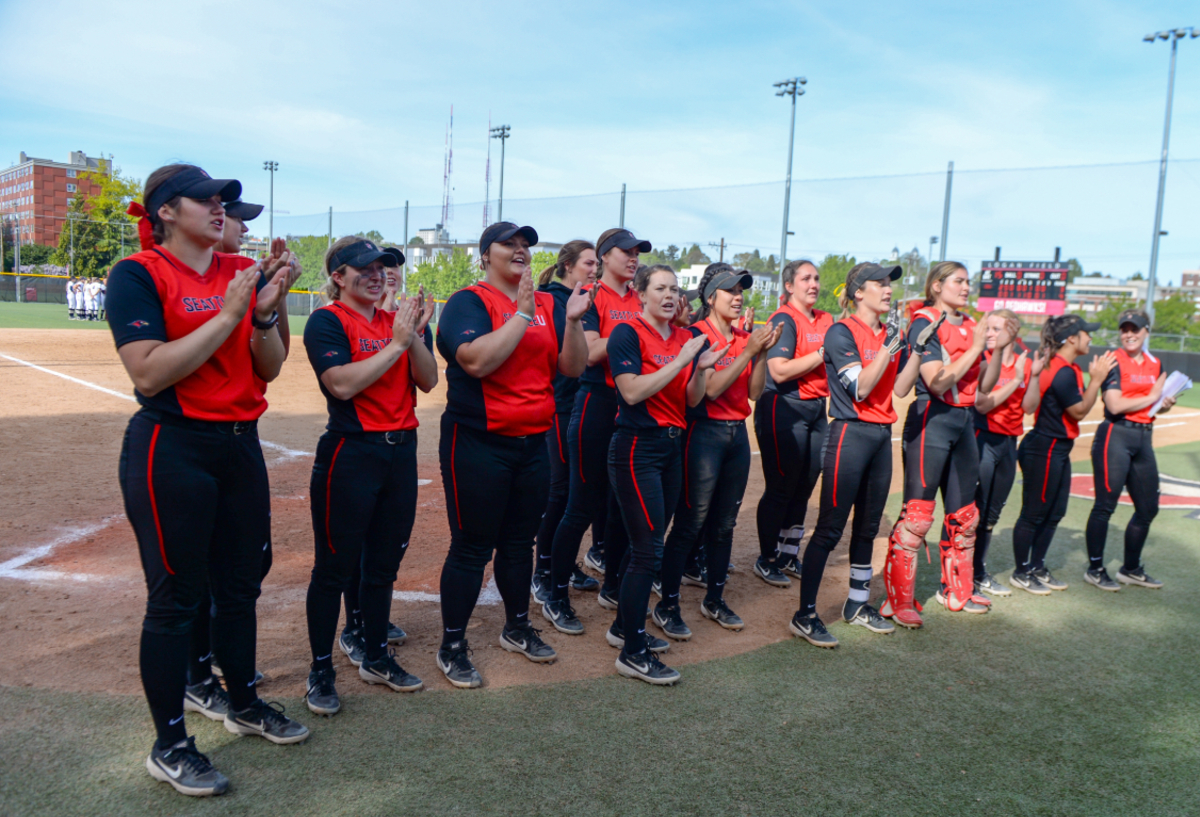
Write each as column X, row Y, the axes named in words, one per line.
column 197, row 496
column 1045, row 488
column 363, row 495
column 791, row 435
column 646, row 470
column 940, row 453
column 557, row 445
column 589, row 498
column 857, row 474
column 997, row 471
column 716, row 467
column 496, row 490
column 1123, row 458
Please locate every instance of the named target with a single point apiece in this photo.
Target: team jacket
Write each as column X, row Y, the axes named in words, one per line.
column 564, row 387
column 734, row 402
column 947, row 346
column 608, row 310
column 518, row 398
column 1132, row 379
column 336, row 335
column 638, row 348
column 1062, row 387
column 800, row 337
column 1007, row 418
column 850, row 343
column 155, row 296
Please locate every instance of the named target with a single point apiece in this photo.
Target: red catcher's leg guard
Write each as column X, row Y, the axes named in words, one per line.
column 958, row 571
column 900, row 572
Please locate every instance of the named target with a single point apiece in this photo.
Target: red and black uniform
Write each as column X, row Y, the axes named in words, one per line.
column 495, row 466
column 996, row 436
column 858, row 457
column 589, row 500
column 1045, row 459
column 716, row 467
column 194, row 480
column 363, row 488
column 1123, row 459
column 645, row 463
column 790, row 423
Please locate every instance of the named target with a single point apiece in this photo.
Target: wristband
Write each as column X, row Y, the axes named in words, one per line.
column 526, row 317
column 264, row 325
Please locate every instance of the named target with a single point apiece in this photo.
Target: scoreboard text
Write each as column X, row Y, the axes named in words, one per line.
column 1030, row 287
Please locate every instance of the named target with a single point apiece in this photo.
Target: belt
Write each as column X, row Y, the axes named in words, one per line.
column 384, row 437
column 1132, row 424
column 659, row 431
column 178, row 420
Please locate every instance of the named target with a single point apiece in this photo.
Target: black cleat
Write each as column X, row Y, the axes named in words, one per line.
column 1047, row 578
column 646, row 667
column 540, row 586
column 864, row 615
column 354, row 645
column 789, row 566
column 560, row 613
column 719, row 612
column 616, row 638
column 386, row 671
column 656, row 588
column 454, row 662
column 812, row 630
column 582, row 581
column 1029, row 583
column 188, row 771
column 595, row 559
column 1100, row 578
column 395, row 635
column 989, row 585
column 670, row 621
column 208, row 698
column 321, row 696
column 696, row 577
column 607, row 599
column 266, row 720
column 527, row 640
column 1138, row 576
column 770, row 574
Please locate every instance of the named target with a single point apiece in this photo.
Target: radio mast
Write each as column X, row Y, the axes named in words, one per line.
column 447, row 202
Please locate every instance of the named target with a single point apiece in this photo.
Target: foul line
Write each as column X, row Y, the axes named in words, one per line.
column 489, row 595
column 15, row 568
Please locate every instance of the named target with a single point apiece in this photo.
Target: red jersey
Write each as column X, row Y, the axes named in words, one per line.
column 1133, row 379
column 609, row 309
column 1008, row 418
column 518, row 398
column 152, row 295
column 1062, row 387
column 800, row 337
column 849, row 343
column 734, row 402
column 638, row 348
column 951, row 342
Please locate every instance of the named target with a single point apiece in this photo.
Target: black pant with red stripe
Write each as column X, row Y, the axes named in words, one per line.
column 557, row 445
column 496, row 490
column 1045, row 488
column 645, row 467
column 940, row 453
column 997, row 472
column 197, row 496
column 363, row 494
column 791, row 434
column 857, row 475
column 1123, row 459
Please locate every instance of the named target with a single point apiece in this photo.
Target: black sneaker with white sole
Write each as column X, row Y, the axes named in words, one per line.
column 527, row 640
column 696, row 577
column 220, row 673
column 790, row 566
column 560, row 614
column 395, row 635
column 539, row 586
column 1138, row 576
column 208, row 698
column 770, row 574
column 1029, row 583
column 607, row 599
column 970, row 606
column 266, row 720
column 989, row 585
column 1047, row 578
column 384, row 670
column 186, row 769
column 321, row 695
column 656, row 588
column 864, row 615
column 1098, row 577
column 582, row 581
column 646, row 667
column 616, row 638
column 595, row 559
column 719, row 612
column 353, row 645
column 812, row 630
column 670, row 621
column 454, row 661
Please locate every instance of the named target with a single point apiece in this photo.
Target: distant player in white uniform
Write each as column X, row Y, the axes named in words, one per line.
column 70, row 293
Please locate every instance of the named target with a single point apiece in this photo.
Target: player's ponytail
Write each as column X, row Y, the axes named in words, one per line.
column 568, row 257
column 709, row 273
column 330, row 291
column 1049, row 345
column 845, row 299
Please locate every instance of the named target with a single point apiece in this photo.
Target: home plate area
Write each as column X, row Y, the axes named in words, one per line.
column 1182, row 494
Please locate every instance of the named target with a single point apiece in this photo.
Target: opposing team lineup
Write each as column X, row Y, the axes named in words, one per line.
column 596, row 397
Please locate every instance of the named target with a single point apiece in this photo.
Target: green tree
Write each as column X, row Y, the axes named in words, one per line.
column 669, row 256
column 31, row 254
column 1137, row 276
column 1173, row 316
column 1107, row 317
column 445, row 274
column 98, row 232
column 415, row 241
column 753, row 262
column 377, row 237
column 1074, row 269
column 693, row 256
column 833, row 269
column 540, row 260
column 310, row 251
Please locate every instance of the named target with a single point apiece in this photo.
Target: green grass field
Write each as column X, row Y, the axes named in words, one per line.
column 54, row 316
column 1083, row 703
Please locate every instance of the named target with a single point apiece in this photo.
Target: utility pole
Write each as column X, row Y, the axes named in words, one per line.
column 17, row 261
column 933, row 239
column 501, row 132
column 404, row 271
column 330, row 244
column 621, row 223
column 789, row 87
column 272, row 167
column 946, row 212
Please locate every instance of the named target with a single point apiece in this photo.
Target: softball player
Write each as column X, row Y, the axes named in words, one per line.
column 192, row 471
column 1044, row 454
column 790, row 422
column 503, row 344
column 89, row 299
column 866, row 362
column 1123, row 453
column 71, row 300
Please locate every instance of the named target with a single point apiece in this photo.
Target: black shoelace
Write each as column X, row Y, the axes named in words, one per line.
column 271, row 713
column 460, row 659
column 191, row 757
column 324, row 683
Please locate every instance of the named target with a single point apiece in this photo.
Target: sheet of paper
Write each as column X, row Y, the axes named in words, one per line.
column 1177, row 383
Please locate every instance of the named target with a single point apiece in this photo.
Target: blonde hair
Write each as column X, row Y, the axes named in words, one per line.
column 1007, row 314
column 330, row 291
column 938, row 273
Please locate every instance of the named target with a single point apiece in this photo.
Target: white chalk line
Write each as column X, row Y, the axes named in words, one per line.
column 489, row 595
column 15, row 568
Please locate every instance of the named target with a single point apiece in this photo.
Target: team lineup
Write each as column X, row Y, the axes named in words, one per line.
column 596, row 396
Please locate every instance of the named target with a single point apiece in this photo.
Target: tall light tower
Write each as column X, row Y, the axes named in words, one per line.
column 789, row 87
column 501, row 132
column 272, row 167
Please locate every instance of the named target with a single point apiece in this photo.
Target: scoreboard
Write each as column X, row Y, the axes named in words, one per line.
column 1025, row 287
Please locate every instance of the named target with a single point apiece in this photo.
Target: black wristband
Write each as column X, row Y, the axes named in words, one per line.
column 268, row 324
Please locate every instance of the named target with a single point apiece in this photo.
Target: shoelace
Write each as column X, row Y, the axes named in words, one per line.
column 271, row 712
column 531, row 633
column 460, row 659
column 189, row 756
column 324, row 684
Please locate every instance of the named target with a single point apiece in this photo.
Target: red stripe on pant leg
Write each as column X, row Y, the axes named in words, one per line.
column 558, row 438
column 924, row 420
column 329, row 493
column 153, row 501
column 1046, row 478
column 686, row 497
column 454, row 476
column 837, row 462
column 582, row 414
column 1107, row 437
column 775, row 434
column 633, row 473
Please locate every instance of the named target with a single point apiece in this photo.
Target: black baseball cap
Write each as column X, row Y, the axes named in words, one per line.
column 1135, row 317
column 243, row 210
column 399, row 262
column 728, row 279
column 361, row 254
column 502, row 231
column 194, row 183
column 625, row 240
column 1073, row 326
column 872, row 272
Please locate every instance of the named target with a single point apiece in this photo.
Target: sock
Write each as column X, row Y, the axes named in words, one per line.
column 377, row 604
column 235, row 639
column 163, row 660
column 200, row 648
column 635, row 594
column 860, row 587
column 460, row 590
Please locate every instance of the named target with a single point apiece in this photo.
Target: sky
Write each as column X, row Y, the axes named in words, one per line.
column 353, row 102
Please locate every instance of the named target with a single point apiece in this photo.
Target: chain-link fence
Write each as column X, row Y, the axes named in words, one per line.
column 44, row 289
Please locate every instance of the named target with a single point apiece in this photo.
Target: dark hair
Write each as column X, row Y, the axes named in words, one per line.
column 846, row 299
column 789, row 272
column 568, row 257
column 604, row 236
column 153, row 182
column 937, row 273
column 641, row 278
column 710, row 272
column 1049, row 330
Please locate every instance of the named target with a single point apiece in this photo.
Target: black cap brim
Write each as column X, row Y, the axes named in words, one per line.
column 243, row 210
column 631, row 242
column 505, row 234
column 395, row 251
column 728, row 280
column 227, row 189
column 1137, row 321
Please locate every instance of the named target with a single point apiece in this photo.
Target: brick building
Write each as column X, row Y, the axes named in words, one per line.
column 35, row 194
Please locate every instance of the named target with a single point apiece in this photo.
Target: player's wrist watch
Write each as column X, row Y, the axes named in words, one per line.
column 269, row 323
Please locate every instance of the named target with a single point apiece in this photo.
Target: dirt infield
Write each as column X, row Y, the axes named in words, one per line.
column 71, row 588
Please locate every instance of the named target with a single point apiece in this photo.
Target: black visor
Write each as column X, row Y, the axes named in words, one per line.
column 195, row 184
column 625, row 240
column 872, row 272
column 1074, row 326
column 243, row 210
column 503, row 231
column 362, row 254
column 728, row 279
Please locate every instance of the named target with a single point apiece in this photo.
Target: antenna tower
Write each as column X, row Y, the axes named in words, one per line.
column 487, row 178
column 447, row 203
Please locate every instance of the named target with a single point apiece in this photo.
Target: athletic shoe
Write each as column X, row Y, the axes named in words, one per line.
column 1100, row 578
column 1047, row 578
column 188, row 771
column 812, row 630
column 208, row 698
column 790, row 565
column 396, row 635
column 217, row 671
column 386, row 671
column 719, row 612
column 540, row 586
column 1139, row 577
column 607, row 599
column 1029, row 583
column 454, row 661
column 560, row 613
column 616, row 638
column 696, row 577
column 582, row 581
column 733, row 568
column 321, row 696
column 595, row 559
column 989, row 585
column 770, row 574
column 267, row 721
column 646, row 667
column 656, row 588
column 864, row 615
column 670, row 621
column 971, row 605
column 354, row 645
column 526, row 639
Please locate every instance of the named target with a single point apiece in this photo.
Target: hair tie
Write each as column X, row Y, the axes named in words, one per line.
column 144, row 227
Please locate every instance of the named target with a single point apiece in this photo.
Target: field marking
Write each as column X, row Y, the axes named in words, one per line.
column 15, row 568
column 488, row 596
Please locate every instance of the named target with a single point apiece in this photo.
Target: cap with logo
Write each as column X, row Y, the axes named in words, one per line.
column 625, row 240
column 872, row 272
column 1138, row 319
column 193, row 183
column 727, row 280
column 1073, row 326
column 361, row 254
column 503, row 231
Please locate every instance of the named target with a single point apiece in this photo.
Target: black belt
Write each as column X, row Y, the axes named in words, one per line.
column 1131, row 424
column 659, row 431
column 178, row 420
column 730, row 423
column 384, row 437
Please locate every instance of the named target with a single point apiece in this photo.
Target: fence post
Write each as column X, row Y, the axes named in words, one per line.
column 1182, row 338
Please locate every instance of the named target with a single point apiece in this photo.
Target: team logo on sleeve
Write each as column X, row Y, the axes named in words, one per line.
column 138, row 324
column 330, row 354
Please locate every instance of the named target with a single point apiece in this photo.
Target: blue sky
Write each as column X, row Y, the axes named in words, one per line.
column 353, row 103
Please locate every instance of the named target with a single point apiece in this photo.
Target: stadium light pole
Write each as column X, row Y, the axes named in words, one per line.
column 789, row 87
column 272, row 167
column 1174, row 36
column 501, row 132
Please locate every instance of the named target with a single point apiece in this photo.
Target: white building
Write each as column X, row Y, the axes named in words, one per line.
column 1090, row 295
